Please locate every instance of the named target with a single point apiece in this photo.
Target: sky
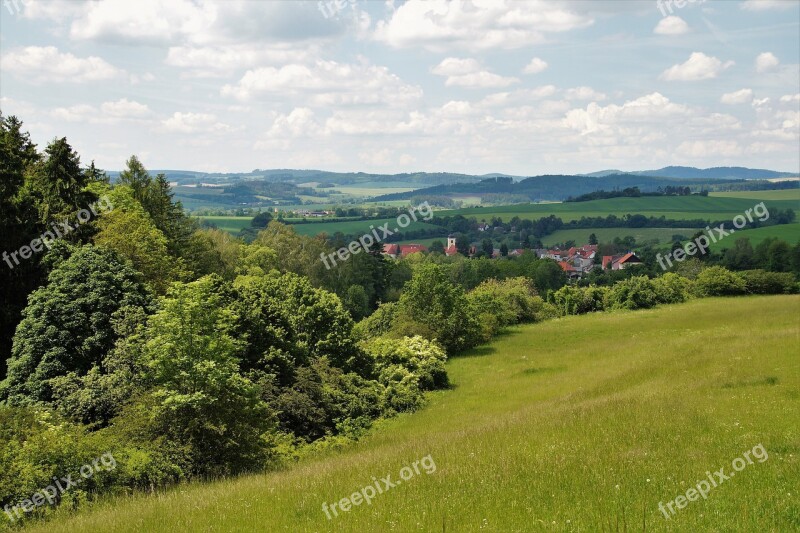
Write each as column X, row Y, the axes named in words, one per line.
column 480, row 86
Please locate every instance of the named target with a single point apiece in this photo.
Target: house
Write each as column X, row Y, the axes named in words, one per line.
column 391, row 250
column 402, row 250
column 570, row 270
column 620, row 262
column 484, row 227
column 407, row 249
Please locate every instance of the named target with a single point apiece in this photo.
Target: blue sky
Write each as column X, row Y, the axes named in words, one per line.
column 467, row 86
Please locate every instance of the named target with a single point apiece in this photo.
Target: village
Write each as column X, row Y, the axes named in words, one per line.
column 576, row 262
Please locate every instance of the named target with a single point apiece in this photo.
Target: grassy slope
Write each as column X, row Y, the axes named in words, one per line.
column 353, row 227
column 788, row 232
column 579, row 424
column 230, row 224
column 673, row 207
column 581, row 236
column 783, row 194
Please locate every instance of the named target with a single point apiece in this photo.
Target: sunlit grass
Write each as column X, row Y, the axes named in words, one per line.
column 579, row 424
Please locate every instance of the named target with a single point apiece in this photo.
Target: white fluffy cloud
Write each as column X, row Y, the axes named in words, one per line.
column 222, row 61
column 698, row 67
column 742, row 96
column 671, row 25
column 469, row 73
column 441, row 25
column 45, row 64
column 194, row 123
column 325, row 83
column 765, row 5
column 766, row 62
column 535, row 66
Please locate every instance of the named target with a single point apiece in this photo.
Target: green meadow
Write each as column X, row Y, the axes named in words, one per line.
column 230, row 224
column 581, row 236
column 787, row 232
column 353, row 227
column 584, row 423
column 784, row 194
column 671, row 207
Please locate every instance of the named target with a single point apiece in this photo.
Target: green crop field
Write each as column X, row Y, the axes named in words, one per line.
column 672, row 207
column 426, row 242
column 785, row 194
column 787, row 232
column 352, row 227
column 581, row 236
column 230, row 224
column 584, row 423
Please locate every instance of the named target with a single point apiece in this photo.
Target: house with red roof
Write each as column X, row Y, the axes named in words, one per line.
column 407, row 249
column 402, row 250
column 620, row 262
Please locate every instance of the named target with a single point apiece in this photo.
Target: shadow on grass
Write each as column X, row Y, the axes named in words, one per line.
column 480, row 351
column 770, row 380
column 544, row 370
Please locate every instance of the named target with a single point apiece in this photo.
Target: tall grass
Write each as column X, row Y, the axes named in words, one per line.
column 579, row 424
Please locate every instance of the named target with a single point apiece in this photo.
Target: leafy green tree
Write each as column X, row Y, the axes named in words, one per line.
column 487, row 246
column 637, row 292
column 547, row 276
column 356, row 302
column 67, row 325
column 779, row 257
column 430, row 300
column 462, row 245
column 129, row 231
column 288, row 323
column 96, row 397
column 156, row 197
column 437, row 247
column 740, row 257
column 203, row 402
column 719, row 281
column 592, row 238
column 261, row 220
column 795, row 258
column 423, row 358
column 504, row 250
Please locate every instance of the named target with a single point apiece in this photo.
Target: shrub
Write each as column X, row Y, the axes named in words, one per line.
column 762, row 282
column 511, row 301
column 672, row 288
column 636, row 292
column 378, row 323
column 719, row 281
column 572, row 300
column 421, row 357
column 431, row 299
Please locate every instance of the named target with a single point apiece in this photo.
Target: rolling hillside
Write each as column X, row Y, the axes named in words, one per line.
column 675, row 207
column 579, row 424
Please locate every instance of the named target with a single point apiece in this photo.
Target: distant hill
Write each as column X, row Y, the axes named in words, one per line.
column 421, row 179
column 714, row 173
column 549, row 187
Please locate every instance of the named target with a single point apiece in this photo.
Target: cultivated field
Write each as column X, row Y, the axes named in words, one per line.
column 581, row 236
column 787, row 232
column 788, row 194
column 580, row 424
column 352, row 227
column 230, row 224
column 673, row 207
